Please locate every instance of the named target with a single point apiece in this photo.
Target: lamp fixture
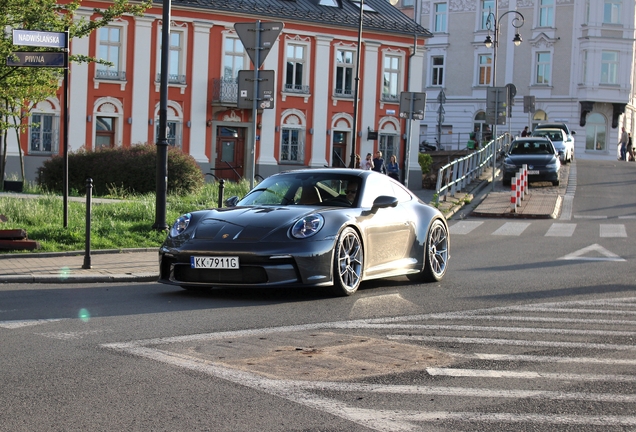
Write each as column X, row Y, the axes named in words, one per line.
column 188, row 123
column 151, row 122
column 208, row 123
column 517, row 40
column 89, row 118
column 488, row 42
column 129, row 120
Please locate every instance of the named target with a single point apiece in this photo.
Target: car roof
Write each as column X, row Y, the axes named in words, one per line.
column 553, row 125
column 532, row 139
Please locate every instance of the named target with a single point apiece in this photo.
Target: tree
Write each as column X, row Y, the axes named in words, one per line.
column 22, row 87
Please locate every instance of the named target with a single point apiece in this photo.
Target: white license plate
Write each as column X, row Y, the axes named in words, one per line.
column 533, row 172
column 231, row 262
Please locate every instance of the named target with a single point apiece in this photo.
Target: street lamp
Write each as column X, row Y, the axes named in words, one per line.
column 492, row 24
column 356, row 89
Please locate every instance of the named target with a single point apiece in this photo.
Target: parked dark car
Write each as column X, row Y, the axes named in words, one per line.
column 539, row 154
column 312, row 227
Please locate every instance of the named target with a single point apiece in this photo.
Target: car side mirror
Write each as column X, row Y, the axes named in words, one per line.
column 385, row 201
column 231, row 201
column 573, row 133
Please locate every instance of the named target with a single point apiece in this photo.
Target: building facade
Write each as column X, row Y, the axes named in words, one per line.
column 314, row 60
column 576, row 60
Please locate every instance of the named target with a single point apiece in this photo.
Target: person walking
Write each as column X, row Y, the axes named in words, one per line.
column 393, row 169
column 368, row 163
column 378, row 163
column 623, row 144
column 525, row 132
column 630, row 148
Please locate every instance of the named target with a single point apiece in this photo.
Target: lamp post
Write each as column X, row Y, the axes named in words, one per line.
column 493, row 21
column 356, row 89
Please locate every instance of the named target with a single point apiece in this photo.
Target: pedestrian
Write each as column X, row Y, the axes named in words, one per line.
column 630, row 148
column 378, row 163
column 355, row 163
column 368, row 163
column 525, row 132
column 623, row 144
column 393, row 169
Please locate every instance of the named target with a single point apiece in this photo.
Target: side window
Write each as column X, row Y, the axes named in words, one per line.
column 401, row 194
column 375, row 186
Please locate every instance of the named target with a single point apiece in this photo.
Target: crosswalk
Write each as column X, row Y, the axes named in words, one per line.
column 555, row 229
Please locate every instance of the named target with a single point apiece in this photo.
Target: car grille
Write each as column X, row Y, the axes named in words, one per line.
column 247, row 275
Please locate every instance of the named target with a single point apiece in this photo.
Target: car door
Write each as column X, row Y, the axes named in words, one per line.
column 389, row 232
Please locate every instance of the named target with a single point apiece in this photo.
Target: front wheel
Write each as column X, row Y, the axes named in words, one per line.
column 348, row 263
column 436, row 254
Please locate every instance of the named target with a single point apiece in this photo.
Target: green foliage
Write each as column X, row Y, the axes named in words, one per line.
column 115, row 224
column 122, row 171
column 425, row 161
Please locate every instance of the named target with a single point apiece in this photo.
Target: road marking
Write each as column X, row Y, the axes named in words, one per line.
column 519, row 418
column 627, row 217
column 546, row 359
column 489, row 373
column 464, row 227
column 512, row 228
column 560, row 230
column 589, row 217
column 25, row 323
column 513, row 342
column 578, row 255
column 613, row 230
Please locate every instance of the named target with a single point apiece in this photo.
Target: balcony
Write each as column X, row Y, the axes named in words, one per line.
column 173, row 79
column 390, row 98
column 224, row 91
column 110, row 74
column 343, row 93
column 299, row 89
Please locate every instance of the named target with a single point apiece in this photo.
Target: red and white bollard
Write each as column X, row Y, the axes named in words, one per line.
column 524, row 181
column 515, row 192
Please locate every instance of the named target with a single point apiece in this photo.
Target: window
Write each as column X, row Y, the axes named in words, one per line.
column 546, row 13
column 408, row 3
column 437, row 71
column 44, row 133
column 391, row 86
column 487, row 7
column 233, row 59
column 485, row 69
column 389, row 145
column 344, row 73
column 173, row 132
column 110, row 49
column 609, row 67
column 612, row 11
column 543, row 68
column 294, row 73
column 105, row 132
column 176, row 57
column 595, row 132
column 440, row 17
column 291, row 146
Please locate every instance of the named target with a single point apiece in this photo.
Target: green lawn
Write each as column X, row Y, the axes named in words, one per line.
column 114, row 225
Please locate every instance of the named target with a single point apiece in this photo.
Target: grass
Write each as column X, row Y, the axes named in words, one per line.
column 114, row 225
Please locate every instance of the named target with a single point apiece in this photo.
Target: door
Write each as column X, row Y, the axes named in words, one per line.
column 104, row 132
column 230, row 145
column 339, row 152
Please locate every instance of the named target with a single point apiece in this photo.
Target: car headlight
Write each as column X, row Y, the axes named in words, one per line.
column 307, row 226
column 180, row 224
column 510, row 167
column 552, row 166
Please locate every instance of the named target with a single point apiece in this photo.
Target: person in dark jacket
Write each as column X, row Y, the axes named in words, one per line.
column 378, row 163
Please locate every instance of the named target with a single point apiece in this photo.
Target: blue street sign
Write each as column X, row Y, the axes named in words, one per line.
column 36, row 59
column 39, row 39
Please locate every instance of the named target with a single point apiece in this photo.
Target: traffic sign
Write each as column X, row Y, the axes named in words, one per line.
column 265, row 89
column 441, row 97
column 412, row 105
column 36, row 59
column 39, row 38
column 496, row 103
column 268, row 32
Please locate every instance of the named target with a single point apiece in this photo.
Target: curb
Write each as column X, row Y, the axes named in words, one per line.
column 53, row 279
column 74, row 253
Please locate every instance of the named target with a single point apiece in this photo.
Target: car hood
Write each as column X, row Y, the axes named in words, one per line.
column 538, row 160
column 247, row 223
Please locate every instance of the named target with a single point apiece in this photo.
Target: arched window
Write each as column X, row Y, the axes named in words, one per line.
column 538, row 117
column 595, row 132
column 481, row 129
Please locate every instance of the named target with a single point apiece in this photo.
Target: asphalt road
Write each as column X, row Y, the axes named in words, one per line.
column 532, row 329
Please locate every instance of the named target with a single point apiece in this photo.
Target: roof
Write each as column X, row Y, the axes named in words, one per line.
column 386, row 18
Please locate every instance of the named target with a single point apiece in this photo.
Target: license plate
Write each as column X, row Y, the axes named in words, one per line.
column 533, row 172
column 231, row 262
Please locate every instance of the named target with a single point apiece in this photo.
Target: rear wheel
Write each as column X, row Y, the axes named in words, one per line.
column 556, row 183
column 348, row 263
column 436, row 254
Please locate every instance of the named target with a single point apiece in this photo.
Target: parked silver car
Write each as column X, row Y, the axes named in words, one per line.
column 564, row 146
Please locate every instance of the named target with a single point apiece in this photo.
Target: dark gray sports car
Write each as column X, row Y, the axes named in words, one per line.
column 312, row 227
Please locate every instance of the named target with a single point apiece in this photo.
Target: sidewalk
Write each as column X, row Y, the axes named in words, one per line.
column 142, row 265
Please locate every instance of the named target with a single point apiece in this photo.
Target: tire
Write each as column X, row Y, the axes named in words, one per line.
column 348, row 263
column 556, row 183
column 436, row 254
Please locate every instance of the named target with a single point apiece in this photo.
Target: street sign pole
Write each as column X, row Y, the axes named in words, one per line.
column 66, row 47
column 257, row 61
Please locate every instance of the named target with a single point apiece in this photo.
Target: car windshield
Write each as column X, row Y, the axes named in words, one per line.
column 553, row 135
column 531, row 147
column 304, row 188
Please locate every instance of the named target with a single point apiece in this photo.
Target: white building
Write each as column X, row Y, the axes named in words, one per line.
column 576, row 59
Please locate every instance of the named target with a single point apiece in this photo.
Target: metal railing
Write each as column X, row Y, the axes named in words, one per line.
column 225, row 90
column 456, row 175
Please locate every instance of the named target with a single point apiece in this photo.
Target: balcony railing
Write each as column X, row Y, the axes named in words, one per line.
column 388, row 97
column 173, row 78
column 345, row 93
column 109, row 74
column 301, row 89
column 224, row 90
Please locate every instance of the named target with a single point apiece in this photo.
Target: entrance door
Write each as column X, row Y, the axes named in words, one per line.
column 339, row 146
column 230, row 145
column 104, row 132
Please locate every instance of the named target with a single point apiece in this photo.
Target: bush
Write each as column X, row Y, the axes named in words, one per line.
column 131, row 169
column 425, row 161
